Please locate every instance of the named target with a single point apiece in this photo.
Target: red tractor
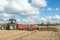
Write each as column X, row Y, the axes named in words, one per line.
column 12, row 25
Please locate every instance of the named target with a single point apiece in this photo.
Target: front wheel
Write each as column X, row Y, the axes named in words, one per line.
column 3, row 28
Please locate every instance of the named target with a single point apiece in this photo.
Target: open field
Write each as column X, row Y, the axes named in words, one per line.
column 29, row 35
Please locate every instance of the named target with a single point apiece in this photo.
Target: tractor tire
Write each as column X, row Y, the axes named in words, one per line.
column 11, row 27
column 3, row 28
column 38, row 28
column 29, row 29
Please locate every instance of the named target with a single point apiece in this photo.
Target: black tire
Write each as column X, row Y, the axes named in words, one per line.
column 11, row 27
column 3, row 28
column 30, row 29
column 38, row 28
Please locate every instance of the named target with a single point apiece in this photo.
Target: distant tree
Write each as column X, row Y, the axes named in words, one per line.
column 48, row 23
column 42, row 24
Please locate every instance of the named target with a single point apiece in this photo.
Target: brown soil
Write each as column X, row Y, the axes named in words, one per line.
column 27, row 35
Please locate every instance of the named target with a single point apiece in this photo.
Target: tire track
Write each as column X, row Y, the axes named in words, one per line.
column 22, row 37
column 38, row 36
column 14, row 35
column 28, row 35
column 8, row 35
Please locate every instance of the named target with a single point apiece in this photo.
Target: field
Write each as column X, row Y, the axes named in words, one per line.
column 29, row 35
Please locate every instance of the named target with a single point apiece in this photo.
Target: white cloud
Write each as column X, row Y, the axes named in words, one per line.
column 4, row 17
column 43, row 19
column 39, row 3
column 23, row 8
column 50, row 9
column 52, row 19
column 3, row 3
column 57, row 9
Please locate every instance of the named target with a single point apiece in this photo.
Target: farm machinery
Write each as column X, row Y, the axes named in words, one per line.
column 13, row 25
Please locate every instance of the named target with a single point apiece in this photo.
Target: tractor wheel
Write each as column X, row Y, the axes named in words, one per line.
column 3, row 28
column 11, row 27
column 29, row 29
column 38, row 28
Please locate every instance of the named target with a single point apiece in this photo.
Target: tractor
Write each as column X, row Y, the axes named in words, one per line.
column 13, row 25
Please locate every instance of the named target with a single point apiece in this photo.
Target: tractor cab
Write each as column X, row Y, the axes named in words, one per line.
column 11, row 21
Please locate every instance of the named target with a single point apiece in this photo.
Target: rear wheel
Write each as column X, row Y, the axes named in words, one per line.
column 30, row 29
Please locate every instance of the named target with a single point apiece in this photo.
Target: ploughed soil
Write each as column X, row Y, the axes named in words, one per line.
column 29, row 35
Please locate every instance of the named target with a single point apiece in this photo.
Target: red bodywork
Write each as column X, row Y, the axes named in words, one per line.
column 23, row 27
column 6, row 25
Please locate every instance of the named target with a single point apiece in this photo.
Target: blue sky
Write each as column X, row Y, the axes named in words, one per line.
column 52, row 4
